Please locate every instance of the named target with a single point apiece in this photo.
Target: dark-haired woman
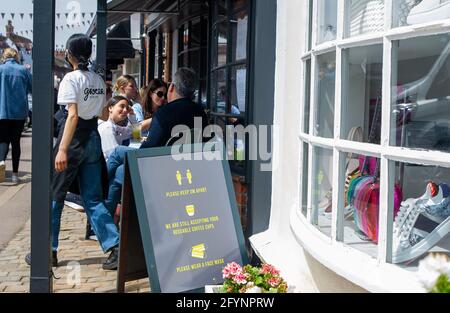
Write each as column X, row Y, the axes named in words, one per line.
column 154, row 97
column 112, row 134
column 78, row 152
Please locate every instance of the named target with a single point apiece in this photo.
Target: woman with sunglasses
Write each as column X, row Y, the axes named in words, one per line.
column 154, row 97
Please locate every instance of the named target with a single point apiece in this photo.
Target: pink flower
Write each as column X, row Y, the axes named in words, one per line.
column 232, row 269
column 240, row 279
column 269, row 269
column 274, row 281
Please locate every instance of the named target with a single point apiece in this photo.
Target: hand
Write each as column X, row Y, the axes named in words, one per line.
column 61, row 161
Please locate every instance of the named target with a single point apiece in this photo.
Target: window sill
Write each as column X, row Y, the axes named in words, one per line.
column 355, row 266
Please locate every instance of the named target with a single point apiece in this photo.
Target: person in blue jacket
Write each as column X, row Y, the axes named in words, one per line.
column 15, row 85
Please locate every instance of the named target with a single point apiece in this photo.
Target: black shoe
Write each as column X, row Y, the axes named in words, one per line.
column 111, row 262
column 89, row 231
column 54, row 259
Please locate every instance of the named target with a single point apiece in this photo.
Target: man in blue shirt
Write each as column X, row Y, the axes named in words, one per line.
column 15, row 85
column 179, row 111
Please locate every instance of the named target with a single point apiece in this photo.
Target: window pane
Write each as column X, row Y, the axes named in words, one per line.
column 238, row 89
column 421, row 93
column 222, row 43
column 326, row 20
column 309, row 33
column 196, row 34
column 186, row 37
column 304, row 173
column 239, row 29
column 425, row 208
column 322, row 188
column 220, row 91
column 361, row 103
column 365, row 17
column 412, row 12
column 324, row 125
column 362, row 200
column 307, row 90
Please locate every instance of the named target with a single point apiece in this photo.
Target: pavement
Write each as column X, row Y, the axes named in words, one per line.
column 80, row 261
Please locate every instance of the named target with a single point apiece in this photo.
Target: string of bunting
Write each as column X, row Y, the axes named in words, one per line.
column 58, row 15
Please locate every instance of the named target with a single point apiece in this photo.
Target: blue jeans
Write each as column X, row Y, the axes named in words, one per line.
column 90, row 178
column 116, row 174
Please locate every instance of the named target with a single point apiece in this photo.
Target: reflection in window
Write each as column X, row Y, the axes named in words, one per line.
column 423, row 223
column 365, row 17
column 421, row 93
column 238, row 89
column 220, row 91
column 322, row 188
column 327, row 20
column 239, row 25
column 413, row 12
column 222, row 43
column 324, row 124
column 362, row 94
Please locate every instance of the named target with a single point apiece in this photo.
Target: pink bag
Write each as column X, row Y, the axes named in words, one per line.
column 367, row 200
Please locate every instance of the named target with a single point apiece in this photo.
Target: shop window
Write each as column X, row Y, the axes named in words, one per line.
column 239, row 30
column 307, row 96
column 327, row 20
column 364, row 17
column 421, row 93
column 362, row 94
column 423, row 219
column 326, row 79
column 304, row 190
column 413, row 12
column 322, row 188
column 406, row 127
column 229, row 53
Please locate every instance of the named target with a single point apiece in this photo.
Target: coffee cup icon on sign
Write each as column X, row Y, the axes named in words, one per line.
column 190, row 210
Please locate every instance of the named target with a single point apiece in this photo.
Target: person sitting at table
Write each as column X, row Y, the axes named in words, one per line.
column 111, row 133
column 180, row 110
column 153, row 97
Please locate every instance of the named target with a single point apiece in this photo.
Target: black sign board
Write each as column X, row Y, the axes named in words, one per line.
column 184, row 204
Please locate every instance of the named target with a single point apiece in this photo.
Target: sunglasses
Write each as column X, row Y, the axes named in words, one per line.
column 160, row 94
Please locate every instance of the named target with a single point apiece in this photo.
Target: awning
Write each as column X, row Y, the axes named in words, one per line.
column 127, row 7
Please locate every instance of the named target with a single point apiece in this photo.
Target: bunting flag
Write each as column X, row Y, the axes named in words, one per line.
column 21, row 32
column 12, row 15
column 67, row 15
column 58, row 15
column 21, row 15
column 3, row 15
column 31, row 30
column 89, row 21
column 84, row 23
column 83, row 14
column 57, row 27
column 74, row 15
column 92, row 14
column 26, row 32
column 31, row 15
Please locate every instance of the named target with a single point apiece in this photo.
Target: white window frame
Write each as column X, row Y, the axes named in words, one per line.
column 387, row 154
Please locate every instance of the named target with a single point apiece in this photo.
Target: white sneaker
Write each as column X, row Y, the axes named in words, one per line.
column 429, row 10
column 15, row 179
column 2, row 171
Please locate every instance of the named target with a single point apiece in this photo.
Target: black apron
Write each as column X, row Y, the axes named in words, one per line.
column 68, row 180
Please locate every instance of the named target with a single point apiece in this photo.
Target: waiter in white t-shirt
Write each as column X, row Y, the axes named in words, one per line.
column 78, row 152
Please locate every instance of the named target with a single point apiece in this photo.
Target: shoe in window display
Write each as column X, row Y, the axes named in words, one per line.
column 428, row 11
column 421, row 223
